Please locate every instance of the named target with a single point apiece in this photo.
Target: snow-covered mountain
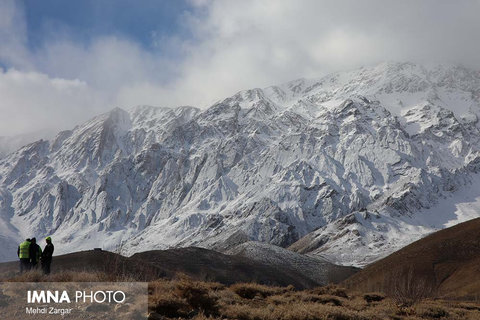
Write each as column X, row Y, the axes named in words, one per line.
column 350, row 166
column 9, row 144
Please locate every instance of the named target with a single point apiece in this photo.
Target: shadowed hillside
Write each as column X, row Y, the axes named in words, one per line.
column 316, row 268
column 198, row 263
column 445, row 263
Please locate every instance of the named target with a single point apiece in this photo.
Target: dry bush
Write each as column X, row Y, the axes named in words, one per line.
column 29, row 276
column 373, row 297
column 183, row 298
column 407, row 289
column 252, row 290
column 446, row 310
column 302, row 296
column 434, row 313
column 328, row 299
column 213, row 286
column 291, row 311
column 201, row 316
column 170, row 306
column 315, row 298
column 163, row 302
column 331, row 290
column 469, row 306
column 198, row 295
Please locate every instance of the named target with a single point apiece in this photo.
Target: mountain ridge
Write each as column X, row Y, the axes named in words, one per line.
column 277, row 164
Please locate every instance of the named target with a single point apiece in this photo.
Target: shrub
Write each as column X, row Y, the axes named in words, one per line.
column 328, row 299
column 252, row 290
column 342, row 315
column 435, row 313
column 170, row 307
column 198, row 296
column 323, row 299
column 331, row 290
column 408, row 289
column 373, row 297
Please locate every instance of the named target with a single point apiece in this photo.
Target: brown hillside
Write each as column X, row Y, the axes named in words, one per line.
column 447, row 261
column 198, row 263
column 94, row 261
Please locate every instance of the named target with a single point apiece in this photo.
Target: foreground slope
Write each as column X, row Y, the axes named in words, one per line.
column 198, row 263
column 447, row 260
column 354, row 160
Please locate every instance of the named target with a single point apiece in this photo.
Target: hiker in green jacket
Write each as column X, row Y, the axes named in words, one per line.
column 23, row 253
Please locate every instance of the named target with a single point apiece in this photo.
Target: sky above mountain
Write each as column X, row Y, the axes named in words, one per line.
column 65, row 61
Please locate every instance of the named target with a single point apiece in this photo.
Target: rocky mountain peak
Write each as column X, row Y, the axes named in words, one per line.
column 349, row 166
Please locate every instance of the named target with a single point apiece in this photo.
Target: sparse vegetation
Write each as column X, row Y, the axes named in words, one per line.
column 254, row 290
column 63, row 276
column 407, row 288
column 434, row 313
column 332, row 290
column 198, row 295
column 373, row 297
column 185, row 298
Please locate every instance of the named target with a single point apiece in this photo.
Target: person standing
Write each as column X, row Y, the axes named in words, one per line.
column 35, row 253
column 47, row 255
column 23, row 253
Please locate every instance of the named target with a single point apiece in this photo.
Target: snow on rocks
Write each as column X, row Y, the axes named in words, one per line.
column 275, row 164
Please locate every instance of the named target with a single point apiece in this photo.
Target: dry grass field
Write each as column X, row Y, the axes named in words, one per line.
column 184, row 298
column 437, row 277
column 187, row 299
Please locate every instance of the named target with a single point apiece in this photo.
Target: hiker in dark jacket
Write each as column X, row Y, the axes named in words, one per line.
column 47, row 255
column 35, row 253
column 23, row 253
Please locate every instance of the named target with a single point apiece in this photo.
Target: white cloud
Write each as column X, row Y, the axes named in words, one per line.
column 236, row 45
column 244, row 44
column 32, row 101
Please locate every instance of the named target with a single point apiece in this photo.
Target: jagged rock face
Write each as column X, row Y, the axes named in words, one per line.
column 275, row 164
column 9, row 144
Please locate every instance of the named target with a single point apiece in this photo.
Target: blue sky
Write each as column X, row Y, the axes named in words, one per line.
column 84, row 20
column 65, row 61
